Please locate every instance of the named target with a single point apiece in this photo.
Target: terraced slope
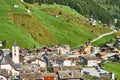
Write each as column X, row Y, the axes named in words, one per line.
column 46, row 25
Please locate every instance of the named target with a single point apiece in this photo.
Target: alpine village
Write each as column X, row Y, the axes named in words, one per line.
column 59, row 39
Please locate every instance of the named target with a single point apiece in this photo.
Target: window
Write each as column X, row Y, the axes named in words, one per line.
column 14, row 54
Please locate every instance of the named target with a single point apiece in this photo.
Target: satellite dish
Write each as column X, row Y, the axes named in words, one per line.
column 1, row 55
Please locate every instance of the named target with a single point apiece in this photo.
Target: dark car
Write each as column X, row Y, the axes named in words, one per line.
column 85, row 72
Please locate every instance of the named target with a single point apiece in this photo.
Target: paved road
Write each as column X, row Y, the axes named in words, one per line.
column 106, row 34
column 94, row 72
column 103, row 35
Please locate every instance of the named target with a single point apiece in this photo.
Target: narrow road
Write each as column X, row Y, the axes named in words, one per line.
column 103, row 35
column 106, row 34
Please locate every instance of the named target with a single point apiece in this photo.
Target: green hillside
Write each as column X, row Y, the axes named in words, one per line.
column 9, row 31
column 41, row 27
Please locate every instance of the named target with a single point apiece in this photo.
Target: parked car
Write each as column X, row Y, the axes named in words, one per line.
column 85, row 72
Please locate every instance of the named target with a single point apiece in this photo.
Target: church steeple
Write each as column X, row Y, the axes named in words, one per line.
column 15, row 44
column 15, row 52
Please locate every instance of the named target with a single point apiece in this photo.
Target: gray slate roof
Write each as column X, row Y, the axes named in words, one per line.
column 8, row 60
column 70, row 74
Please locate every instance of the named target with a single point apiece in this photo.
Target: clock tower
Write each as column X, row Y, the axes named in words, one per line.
column 15, row 53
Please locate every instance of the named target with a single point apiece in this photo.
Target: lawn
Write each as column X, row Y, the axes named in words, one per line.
column 113, row 67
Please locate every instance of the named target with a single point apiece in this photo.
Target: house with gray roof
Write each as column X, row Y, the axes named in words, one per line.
column 70, row 75
column 7, row 63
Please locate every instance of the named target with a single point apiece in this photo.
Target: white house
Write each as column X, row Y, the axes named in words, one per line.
column 39, row 62
column 91, row 60
column 69, row 63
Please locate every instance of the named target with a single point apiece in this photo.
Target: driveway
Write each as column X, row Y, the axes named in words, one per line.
column 93, row 71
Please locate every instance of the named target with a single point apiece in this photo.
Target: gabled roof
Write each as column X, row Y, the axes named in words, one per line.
column 90, row 57
column 4, row 73
column 76, row 74
column 64, row 68
column 49, row 75
column 8, row 60
column 31, row 76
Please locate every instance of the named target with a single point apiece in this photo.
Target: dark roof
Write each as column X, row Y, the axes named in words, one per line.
column 4, row 73
column 34, row 58
column 59, row 68
column 57, row 57
column 1, row 55
column 76, row 74
column 90, row 57
column 31, row 76
column 8, row 60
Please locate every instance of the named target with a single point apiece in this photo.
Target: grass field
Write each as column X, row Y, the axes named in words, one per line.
column 42, row 28
column 74, row 31
column 113, row 67
column 10, row 31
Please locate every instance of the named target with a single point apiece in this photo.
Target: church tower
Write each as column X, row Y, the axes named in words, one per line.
column 15, row 53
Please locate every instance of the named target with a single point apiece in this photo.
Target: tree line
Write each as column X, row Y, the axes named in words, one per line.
column 84, row 7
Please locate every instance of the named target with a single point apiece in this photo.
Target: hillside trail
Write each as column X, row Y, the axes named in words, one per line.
column 101, row 36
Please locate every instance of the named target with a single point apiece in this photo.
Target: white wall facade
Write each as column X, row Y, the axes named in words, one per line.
column 15, row 54
column 93, row 62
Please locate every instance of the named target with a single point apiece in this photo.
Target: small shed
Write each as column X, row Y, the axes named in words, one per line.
column 15, row 5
